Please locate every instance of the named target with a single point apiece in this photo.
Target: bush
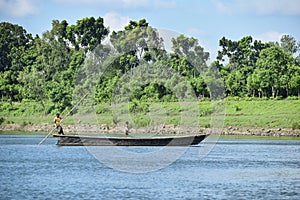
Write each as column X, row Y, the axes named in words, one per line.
column 292, row 98
column 295, row 125
column 169, row 98
column 250, row 98
column 1, row 120
column 136, row 106
column 141, row 120
column 204, row 99
column 25, row 123
column 230, row 98
column 237, row 108
column 279, row 98
column 206, row 112
column 5, row 107
column 174, row 120
column 100, row 109
column 207, row 126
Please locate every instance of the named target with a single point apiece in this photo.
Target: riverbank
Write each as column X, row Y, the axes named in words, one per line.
column 238, row 117
column 169, row 129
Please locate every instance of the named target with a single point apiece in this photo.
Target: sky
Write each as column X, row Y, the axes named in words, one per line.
column 206, row 20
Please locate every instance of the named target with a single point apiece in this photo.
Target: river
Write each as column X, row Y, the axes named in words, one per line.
column 236, row 168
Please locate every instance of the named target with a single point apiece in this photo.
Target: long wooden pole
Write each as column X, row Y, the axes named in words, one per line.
column 43, row 140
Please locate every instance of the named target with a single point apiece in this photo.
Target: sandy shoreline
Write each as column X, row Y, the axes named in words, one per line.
column 155, row 130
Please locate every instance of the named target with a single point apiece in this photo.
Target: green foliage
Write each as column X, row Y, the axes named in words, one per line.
column 189, row 57
column 25, row 123
column 105, row 88
column 173, row 120
column 87, row 33
column 136, row 106
column 257, row 69
column 256, row 113
column 237, row 108
column 45, row 74
column 295, row 125
column 292, row 98
column 289, row 44
column 12, row 37
column 14, row 42
column 2, row 120
column 141, row 120
column 273, row 66
column 207, row 126
column 100, row 109
column 262, row 113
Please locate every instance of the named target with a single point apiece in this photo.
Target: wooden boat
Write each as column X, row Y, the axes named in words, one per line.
column 85, row 140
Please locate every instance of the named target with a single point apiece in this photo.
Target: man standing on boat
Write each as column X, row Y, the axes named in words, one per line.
column 57, row 124
column 126, row 128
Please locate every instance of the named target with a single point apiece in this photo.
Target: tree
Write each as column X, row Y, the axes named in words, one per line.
column 189, row 56
column 87, row 33
column 253, row 84
column 200, row 87
column 182, row 65
column 242, row 53
column 289, row 44
column 136, row 43
column 34, row 80
column 294, row 81
column 51, row 68
column 275, row 62
column 234, row 82
column 215, row 83
column 12, row 36
column 59, row 29
column 14, row 41
column 241, row 56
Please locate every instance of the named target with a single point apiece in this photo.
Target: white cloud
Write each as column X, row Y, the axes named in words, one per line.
column 221, row 7
column 19, row 8
column 286, row 7
column 271, row 36
column 195, row 32
column 134, row 3
column 261, row 7
column 115, row 21
column 121, row 3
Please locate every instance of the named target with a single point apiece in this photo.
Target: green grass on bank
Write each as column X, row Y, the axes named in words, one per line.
column 253, row 137
column 236, row 113
column 271, row 113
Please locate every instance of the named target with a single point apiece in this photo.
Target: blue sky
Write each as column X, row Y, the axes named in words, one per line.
column 206, row 20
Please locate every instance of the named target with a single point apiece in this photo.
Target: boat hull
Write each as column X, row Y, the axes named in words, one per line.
column 81, row 140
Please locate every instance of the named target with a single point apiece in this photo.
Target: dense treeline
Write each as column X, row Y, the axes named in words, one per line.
column 258, row 69
column 46, row 68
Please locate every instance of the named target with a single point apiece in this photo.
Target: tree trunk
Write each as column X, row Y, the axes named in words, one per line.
column 273, row 92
